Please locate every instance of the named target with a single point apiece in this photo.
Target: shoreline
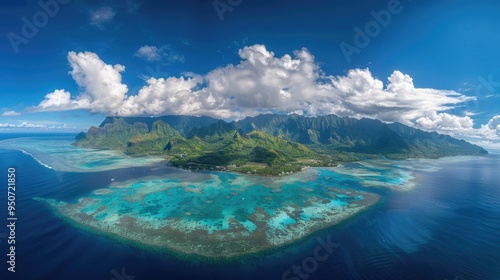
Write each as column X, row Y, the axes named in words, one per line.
column 162, row 159
column 201, row 248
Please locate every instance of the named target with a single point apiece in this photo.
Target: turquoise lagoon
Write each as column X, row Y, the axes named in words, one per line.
column 223, row 215
column 58, row 154
column 214, row 214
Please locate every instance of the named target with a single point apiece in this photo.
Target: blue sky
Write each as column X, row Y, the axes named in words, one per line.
column 66, row 64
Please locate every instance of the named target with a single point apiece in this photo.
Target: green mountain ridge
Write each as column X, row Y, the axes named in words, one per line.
column 268, row 144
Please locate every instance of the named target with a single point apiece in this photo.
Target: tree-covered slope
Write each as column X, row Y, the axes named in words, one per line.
column 152, row 142
column 270, row 143
column 111, row 135
column 183, row 124
column 360, row 136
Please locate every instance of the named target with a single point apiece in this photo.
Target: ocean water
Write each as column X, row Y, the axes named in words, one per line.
column 436, row 219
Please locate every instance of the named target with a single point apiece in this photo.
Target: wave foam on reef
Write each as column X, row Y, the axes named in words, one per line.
column 36, row 159
column 59, row 155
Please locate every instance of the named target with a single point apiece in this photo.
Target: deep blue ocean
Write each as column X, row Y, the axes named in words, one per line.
column 448, row 227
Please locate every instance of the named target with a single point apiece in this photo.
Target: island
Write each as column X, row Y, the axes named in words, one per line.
column 268, row 144
column 254, row 192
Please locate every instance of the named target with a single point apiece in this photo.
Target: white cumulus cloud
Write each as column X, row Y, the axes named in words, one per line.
column 262, row 82
column 160, row 96
column 491, row 130
column 365, row 96
column 444, row 121
column 101, row 84
column 57, row 99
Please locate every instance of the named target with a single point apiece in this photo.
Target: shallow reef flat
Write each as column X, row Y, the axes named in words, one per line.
column 394, row 175
column 58, row 154
column 229, row 215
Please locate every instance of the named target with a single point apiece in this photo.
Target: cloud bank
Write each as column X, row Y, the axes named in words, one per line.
column 30, row 125
column 263, row 82
column 11, row 114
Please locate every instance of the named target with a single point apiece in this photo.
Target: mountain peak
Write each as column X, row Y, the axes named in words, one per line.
column 326, row 133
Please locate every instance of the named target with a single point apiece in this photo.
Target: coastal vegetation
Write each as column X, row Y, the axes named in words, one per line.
column 268, row 144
